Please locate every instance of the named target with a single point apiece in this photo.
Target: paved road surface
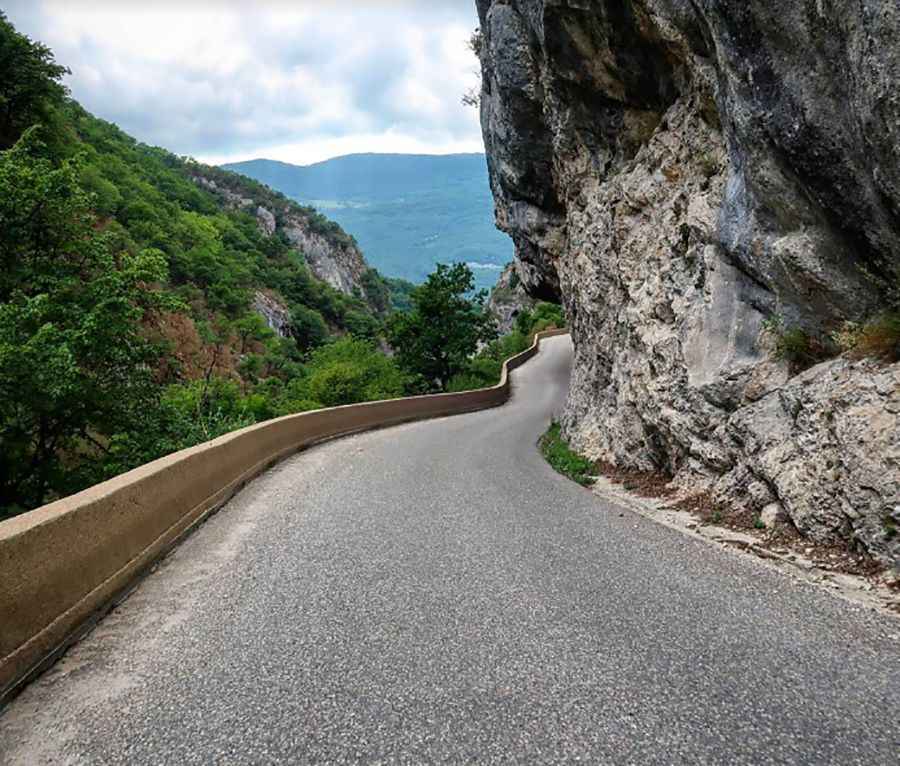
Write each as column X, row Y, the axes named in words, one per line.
column 435, row 593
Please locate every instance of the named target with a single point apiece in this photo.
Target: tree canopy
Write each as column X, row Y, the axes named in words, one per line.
column 73, row 364
column 444, row 326
column 30, row 88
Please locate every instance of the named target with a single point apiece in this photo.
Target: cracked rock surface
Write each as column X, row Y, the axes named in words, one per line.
column 680, row 173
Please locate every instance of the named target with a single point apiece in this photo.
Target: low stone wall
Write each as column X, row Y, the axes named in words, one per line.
column 63, row 564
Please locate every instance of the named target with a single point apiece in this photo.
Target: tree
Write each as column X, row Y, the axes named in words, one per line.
column 444, row 328
column 73, row 364
column 472, row 97
column 308, row 327
column 252, row 328
column 350, row 370
column 29, row 88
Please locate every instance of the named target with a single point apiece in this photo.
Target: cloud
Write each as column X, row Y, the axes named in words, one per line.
column 295, row 81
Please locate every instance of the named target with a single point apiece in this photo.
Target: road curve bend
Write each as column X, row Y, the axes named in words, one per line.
column 435, row 593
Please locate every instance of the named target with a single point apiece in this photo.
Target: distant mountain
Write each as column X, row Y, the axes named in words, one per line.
column 408, row 212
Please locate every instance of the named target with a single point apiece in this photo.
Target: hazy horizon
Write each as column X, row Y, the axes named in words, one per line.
column 354, row 154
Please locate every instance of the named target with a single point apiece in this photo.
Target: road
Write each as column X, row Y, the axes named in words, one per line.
column 436, row 593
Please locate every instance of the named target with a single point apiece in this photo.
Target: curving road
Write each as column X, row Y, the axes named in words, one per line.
column 435, row 593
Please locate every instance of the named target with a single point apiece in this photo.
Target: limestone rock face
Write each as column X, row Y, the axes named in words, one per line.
column 680, row 172
column 274, row 311
column 341, row 265
column 265, row 220
column 509, row 298
column 332, row 257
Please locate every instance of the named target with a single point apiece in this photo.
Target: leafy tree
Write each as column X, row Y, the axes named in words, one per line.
column 252, row 327
column 350, row 370
column 73, row 364
column 361, row 324
column 444, row 328
column 377, row 291
column 484, row 369
column 401, row 293
column 544, row 315
column 30, row 89
column 308, row 327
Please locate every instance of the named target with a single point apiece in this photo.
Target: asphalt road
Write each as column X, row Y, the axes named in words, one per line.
column 436, row 593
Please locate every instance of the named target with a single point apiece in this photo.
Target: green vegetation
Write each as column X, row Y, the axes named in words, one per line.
column 890, row 528
column 437, row 336
column 30, row 89
column 127, row 328
column 563, row 459
column 129, row 295
column 484, row 369
column 73, row 363
column 879, row 339
column 409, row 212
column 798, row 347
column 348, row 371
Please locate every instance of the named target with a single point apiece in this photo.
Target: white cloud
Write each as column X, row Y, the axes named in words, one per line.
column 295, row 81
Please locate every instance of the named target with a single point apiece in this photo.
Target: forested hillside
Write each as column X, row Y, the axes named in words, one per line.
column 409, row 212
column 148, row 302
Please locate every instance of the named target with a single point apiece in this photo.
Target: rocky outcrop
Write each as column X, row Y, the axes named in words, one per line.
column 232, row 199
column 509, row 298
column 274, row 311
column 266, row 221
column 339, row 263
column 331, row 254
column 679, row 174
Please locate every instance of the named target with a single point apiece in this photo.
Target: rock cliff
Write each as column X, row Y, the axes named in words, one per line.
column 509, row 298
column 701, row 181
column 331, row 254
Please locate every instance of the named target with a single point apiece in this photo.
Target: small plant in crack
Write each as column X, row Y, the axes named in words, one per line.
column 794, row 344
column 890, row 528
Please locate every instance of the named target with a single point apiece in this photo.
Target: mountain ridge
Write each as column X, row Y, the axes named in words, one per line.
column 409, row 212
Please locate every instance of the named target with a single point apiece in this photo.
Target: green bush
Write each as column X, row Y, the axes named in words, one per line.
column 880, row 338
column 563, row 459
column 308, row 327
column 484, row 369
column 794, row 344
column 480, row 372
column 348, row 371
column 543, row 316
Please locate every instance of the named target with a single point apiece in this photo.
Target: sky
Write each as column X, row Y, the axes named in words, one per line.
column 298, row 81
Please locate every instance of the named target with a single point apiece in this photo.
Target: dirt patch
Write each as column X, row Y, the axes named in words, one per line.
column 783, row 539
column 642, row 483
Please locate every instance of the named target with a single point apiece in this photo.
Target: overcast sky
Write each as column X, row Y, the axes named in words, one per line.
column 297, row 81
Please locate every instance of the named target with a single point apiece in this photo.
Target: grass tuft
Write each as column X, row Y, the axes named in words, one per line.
column 563, row 459
column 880, row 338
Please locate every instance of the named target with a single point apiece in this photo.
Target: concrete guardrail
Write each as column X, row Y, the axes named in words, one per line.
column 62, row 566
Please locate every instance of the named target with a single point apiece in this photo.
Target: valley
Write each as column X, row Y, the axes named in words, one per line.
column 408, row 212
